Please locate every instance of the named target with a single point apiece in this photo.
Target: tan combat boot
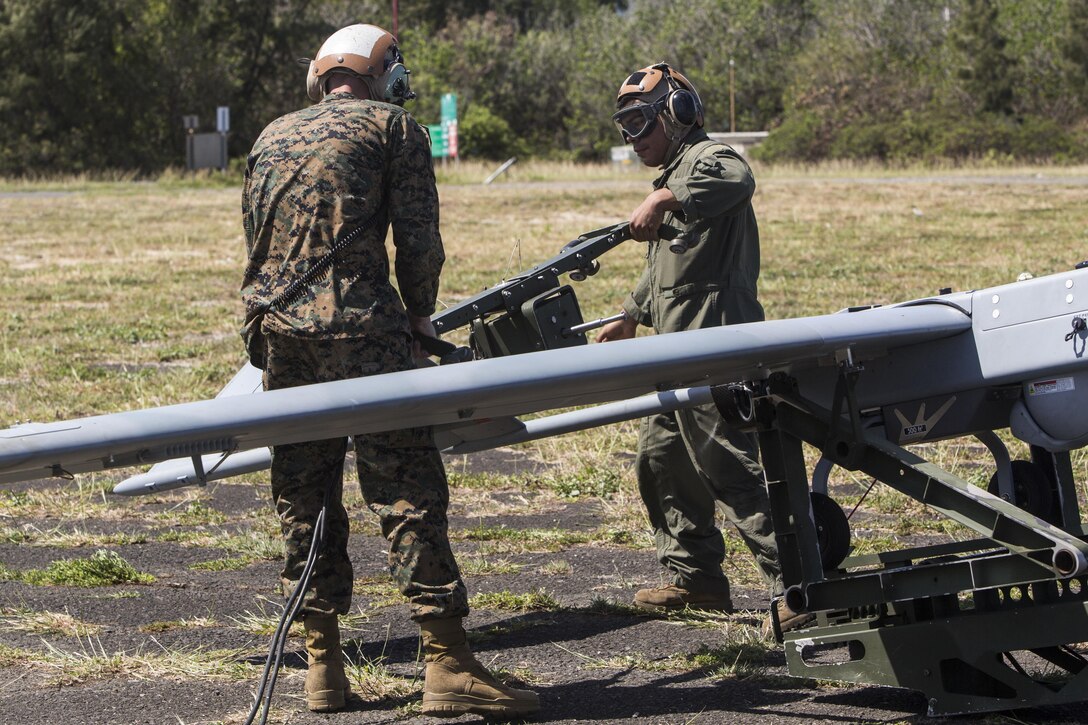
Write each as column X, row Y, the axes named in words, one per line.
column 456, row 683
column 708, row 596
column 326, row 684
column 783, row 619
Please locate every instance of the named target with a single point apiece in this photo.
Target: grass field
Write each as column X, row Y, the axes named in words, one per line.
column 119, row 294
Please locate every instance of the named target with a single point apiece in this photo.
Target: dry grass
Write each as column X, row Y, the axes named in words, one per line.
column 45, row 623
column 93, row 662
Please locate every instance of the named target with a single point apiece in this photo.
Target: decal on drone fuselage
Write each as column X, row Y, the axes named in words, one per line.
column 920, row 428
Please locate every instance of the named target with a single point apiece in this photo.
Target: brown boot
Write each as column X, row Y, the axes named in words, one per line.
column 782, row 619
column 711, row 597
column 326, row 684
column 456, row 683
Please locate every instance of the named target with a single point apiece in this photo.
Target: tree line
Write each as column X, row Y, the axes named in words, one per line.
column 103, row 84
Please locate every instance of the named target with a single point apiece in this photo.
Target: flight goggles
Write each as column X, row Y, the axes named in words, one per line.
column 638, row 119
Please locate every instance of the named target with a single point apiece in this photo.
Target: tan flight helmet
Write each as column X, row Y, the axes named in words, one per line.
column 368, row 53
column 660, row 93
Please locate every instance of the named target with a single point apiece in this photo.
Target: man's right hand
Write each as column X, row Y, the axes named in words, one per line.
column 647, row 217
column 423, row 326
column 619, row 330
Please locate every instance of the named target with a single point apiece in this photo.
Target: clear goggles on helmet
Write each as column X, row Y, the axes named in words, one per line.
column 638, row 119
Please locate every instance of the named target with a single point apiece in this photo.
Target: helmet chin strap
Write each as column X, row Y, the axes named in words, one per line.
column 674, row 135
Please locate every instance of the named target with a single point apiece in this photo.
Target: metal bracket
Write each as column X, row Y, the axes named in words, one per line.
column 198, row 466
column 841, row 446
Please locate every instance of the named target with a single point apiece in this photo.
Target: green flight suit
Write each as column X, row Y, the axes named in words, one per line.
column 689, row 459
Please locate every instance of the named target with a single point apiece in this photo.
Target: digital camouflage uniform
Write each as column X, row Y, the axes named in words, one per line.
column 314, row 176
column 689, row 459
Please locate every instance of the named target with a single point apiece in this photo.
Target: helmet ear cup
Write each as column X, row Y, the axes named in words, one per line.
column 683, row 107
column 396, row 83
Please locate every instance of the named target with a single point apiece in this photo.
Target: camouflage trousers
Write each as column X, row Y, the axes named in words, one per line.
column 401, row 476
column 689, row 461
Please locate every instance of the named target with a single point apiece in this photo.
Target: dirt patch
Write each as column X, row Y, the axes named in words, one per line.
column 163, row 652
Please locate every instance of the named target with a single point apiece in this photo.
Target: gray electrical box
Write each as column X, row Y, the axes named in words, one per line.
column 206, row 151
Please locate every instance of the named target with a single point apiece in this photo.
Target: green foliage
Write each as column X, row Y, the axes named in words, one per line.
column 436, row 14
column 1075, row 41
column 929, row 135
column 103, row 84
column 543, row 538
column 929, row 80
column 481, row 566
column 100, row 86
column 482, row 134
column 986, row 71
column 486, row 480
column 1072, row 63
column 738, row 658
column 196, row 513
column 592, row 481
column 66, row 69
column 10, row 656
column 103, row 568
column 798, row 138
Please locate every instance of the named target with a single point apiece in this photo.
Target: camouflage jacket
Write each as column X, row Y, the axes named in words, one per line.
column 314, row 176
column 714, row 282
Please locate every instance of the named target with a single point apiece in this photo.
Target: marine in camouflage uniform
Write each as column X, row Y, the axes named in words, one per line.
column 323, row 185
column 689, row 460
column 313, row 177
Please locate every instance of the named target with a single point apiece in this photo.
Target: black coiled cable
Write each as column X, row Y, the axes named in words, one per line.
column 262, row 700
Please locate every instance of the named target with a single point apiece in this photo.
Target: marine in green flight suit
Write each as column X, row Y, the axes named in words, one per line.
column 689, row 461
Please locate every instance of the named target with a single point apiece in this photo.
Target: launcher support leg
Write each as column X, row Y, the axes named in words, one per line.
column 992, row 624
column 988, row 515
column 787, row 488
column 1059, row 470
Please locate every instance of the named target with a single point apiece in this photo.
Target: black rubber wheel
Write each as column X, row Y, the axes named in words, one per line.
column 832, row 530
column 1031, row 488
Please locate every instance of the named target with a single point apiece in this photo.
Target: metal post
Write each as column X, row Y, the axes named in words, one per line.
column 190, row 122
column 732, row 95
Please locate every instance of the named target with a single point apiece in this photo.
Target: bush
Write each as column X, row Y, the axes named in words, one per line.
column 799, row 138
column 972, row 137
column 862, row 140
column 931, row 134
column 1039, row 139
column 482, row 134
